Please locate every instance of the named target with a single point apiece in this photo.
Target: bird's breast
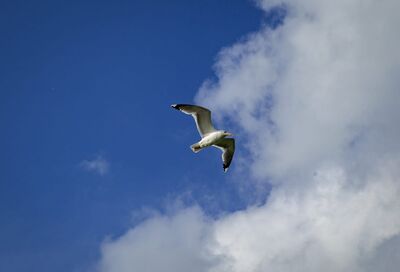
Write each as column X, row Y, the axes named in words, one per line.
column 210, row 139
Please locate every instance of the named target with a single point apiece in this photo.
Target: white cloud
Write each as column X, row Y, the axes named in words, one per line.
column 331, row 226
column 98, row 165
column 317, row 101
column 162, row 243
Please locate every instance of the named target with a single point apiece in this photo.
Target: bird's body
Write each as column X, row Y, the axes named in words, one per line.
column 209, row 135
column 212, row 138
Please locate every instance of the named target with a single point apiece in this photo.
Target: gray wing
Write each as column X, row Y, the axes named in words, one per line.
column 227, row 145
column 202, row 117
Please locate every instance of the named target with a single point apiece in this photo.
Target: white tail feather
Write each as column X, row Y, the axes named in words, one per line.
column 195, row 147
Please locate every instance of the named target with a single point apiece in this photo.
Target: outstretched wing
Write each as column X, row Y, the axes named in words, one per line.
column 227, row 145
column 202, row 117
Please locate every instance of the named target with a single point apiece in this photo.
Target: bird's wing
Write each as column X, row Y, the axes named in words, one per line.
column 227, row 145
column 202, row 117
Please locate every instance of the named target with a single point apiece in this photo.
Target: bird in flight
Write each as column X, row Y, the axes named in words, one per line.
column 209, row 135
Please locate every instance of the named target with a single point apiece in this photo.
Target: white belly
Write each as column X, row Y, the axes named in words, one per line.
column 211, row 139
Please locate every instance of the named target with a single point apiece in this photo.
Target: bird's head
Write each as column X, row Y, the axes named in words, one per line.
column 226, row 133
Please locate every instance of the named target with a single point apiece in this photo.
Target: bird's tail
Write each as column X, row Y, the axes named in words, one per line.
column 195, row 147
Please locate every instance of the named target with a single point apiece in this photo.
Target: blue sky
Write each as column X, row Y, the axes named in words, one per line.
column 83, row 80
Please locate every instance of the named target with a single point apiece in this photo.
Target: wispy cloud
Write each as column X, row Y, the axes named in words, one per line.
column 98, row 165
column 317, row 98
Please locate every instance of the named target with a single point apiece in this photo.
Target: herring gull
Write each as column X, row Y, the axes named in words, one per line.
column 209, row 135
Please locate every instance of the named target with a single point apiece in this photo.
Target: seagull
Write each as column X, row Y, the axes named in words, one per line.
column 209, row 135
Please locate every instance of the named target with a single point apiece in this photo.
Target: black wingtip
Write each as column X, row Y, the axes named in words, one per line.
column 178, row 106
column 225, row 167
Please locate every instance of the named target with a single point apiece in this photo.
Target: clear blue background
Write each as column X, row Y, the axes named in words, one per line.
column 79, row 79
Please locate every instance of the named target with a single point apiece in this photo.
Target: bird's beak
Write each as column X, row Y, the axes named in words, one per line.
column 229, row 134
